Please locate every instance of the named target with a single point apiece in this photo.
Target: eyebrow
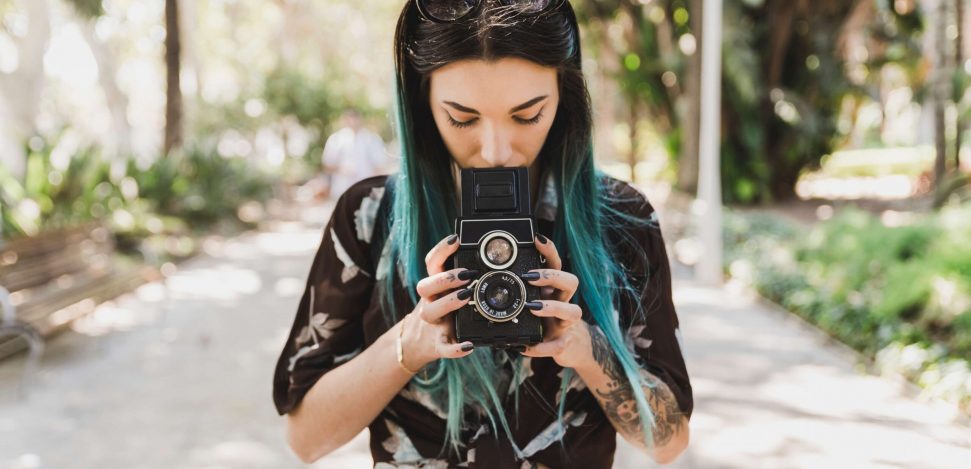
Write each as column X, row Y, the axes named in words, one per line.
column 514, row 109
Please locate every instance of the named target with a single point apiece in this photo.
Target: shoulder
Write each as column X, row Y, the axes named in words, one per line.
column 357, row 208
column 631, row 226
column 626, row 199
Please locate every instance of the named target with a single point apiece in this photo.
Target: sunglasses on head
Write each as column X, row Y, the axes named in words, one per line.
column 444, row 11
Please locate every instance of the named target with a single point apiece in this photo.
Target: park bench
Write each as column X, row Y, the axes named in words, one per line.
column 49, row 280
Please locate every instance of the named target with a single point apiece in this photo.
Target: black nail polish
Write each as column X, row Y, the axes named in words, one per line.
column 530, row 276
column 467, row 347
column 541, row 238
column 464, row 294
column 467, row 274
column 534, row 305
column 451, row 239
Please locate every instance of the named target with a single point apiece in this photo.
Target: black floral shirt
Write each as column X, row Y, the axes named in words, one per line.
column 339, row 316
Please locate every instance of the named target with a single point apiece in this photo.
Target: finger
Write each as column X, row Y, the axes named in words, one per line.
column 565, row 282
column 435, row 258
column 569, row 313
column 436, row 310
column 545, row 247
column 450, row 350
column 433, row 285
column 547, row 349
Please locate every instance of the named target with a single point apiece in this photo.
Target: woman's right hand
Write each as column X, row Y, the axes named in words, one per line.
column 429, row 330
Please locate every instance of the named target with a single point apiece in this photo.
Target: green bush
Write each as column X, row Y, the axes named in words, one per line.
column 195, row 188
column 199, row 185
column 872, row 286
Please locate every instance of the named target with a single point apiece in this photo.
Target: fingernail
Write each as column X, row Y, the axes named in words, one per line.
column 534, row 305
column 464, row 294
column 541, row 238
column 451, row 239
column 467, row 346
column 467, row 274
column 530, row 276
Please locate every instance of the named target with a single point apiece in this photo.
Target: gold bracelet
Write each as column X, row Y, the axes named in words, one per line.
column 400, row 351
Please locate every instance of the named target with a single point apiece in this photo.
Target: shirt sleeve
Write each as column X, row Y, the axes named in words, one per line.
column 654, row 335
column 327, row 328
column 331, row 154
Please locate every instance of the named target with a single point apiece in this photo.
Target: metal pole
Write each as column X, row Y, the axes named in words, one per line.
column 709, row 176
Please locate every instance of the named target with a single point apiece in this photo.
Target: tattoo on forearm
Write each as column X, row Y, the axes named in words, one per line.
column 618, row 399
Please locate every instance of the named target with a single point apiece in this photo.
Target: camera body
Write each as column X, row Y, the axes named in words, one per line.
column 495, row 235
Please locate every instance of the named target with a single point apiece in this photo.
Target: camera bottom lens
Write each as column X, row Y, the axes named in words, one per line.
column 500, row 296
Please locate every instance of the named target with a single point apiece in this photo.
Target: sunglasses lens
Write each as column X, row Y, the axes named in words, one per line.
column 529, row 6
column 448, row 10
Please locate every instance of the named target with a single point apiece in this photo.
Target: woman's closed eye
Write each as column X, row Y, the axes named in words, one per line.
column 533, row 120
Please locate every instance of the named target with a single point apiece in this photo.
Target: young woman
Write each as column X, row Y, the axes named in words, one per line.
column 487, row 83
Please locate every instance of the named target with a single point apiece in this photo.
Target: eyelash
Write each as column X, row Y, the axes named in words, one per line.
column 462, row 125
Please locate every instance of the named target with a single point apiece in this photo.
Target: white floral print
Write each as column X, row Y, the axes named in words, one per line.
column 548, row 202
column 415, row 394
column 404, row 453
column 576, row 383
column 553, row 432
column 634, row 336
column 350, row 268
column 677, row 335
column 365, row 214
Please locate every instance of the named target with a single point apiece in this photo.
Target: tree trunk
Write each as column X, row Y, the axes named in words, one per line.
column 958, row 62
column 690, row 122
column 781, row 15
column 173, row 93
column 116, row 99
column 940, row 92
column 20, row 91
column 632, row 132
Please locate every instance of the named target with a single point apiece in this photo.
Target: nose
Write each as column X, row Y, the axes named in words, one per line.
column 496, row 145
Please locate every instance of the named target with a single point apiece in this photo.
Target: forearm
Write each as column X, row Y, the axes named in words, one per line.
column 608, row 383
column 346, row 399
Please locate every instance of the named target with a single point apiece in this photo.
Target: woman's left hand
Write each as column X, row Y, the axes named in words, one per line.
column 566, row 337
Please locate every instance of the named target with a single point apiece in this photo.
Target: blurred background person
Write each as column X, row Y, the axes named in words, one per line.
column 352, row 153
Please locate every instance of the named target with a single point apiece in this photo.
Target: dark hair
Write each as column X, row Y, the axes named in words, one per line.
column 496, row 31
column 424, row 191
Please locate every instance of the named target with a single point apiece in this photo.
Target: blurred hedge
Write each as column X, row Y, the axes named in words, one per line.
column 184, row 193
column 900, row 294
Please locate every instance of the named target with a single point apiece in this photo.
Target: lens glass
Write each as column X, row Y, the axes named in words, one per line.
column 498, row 250
column 499, row 295
column 448, row 10
column 528, row 6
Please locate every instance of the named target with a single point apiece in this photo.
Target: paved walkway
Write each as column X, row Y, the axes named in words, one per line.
column 177, row 375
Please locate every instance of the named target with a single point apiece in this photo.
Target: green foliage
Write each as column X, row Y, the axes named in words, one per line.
column 88, row 8
column 197, row 186
column 869, row 285
column 784, row 77
column 292, row 93
column 56, row 195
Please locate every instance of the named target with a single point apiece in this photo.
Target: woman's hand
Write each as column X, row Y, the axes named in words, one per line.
column 428, row 331
column 566, row 337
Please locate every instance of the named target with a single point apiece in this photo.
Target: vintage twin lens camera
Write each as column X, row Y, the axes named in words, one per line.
column 495, row 233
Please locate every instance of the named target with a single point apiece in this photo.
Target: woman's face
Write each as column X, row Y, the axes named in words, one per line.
column 494, row 114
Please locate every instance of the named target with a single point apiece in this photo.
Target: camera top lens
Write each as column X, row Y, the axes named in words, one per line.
column 498, row 250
